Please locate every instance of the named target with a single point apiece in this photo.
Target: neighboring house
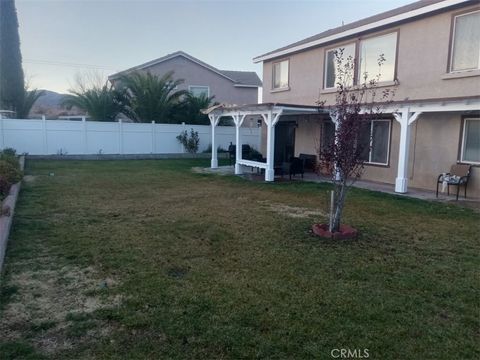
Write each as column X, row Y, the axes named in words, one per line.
column 232, row 87
column 432, row 51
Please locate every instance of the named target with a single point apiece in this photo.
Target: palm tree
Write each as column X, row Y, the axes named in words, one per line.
column 150, row 97
column 189, row 110
column 100, row 103
column 28, row 100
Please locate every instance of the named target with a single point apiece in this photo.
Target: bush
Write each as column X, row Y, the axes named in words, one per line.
column 9, row 152
column 11, row 159
column 10, row 172
column 208, row 150
column 190, row 143
column 4, row 187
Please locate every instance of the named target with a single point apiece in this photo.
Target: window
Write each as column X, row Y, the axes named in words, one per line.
column 199, row 90
column 376, row 142
column 335, row 69
column 371, row 50
column 466, row 42
column 471, row 141
column 280, row 74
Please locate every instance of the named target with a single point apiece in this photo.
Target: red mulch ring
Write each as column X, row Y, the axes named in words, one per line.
column 346, row 232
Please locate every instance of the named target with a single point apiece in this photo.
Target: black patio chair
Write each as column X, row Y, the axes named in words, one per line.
column 296, row 166
column 458, row 176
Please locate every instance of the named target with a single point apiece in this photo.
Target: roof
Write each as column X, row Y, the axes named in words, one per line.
column 286, row 109
column 239, row 78
column 403, row 13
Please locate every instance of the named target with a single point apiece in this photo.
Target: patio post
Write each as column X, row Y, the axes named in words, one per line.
column 214, row 122
column 238, row 120
column 405, row 118
column 271, row 120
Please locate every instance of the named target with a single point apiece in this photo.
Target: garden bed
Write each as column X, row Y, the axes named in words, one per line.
column 7, row 211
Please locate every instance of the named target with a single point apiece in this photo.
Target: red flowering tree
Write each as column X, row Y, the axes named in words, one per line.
column 354, row 108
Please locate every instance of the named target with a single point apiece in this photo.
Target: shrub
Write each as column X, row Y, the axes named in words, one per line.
column 11, row 159
column 4, row 187
column 190, row 143
column 9, row 152
column 208, row 150
column 10, row 172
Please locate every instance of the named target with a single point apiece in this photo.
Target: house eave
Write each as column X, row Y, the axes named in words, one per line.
column 367, row 27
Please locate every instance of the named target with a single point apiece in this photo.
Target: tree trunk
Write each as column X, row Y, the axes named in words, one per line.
column 340, row 192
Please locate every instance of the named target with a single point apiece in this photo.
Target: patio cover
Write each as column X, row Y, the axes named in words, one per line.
column 270, row 113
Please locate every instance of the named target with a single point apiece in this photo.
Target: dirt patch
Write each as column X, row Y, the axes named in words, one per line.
column 221, row 170
column 29, row 178
column 50, row 304
column 292, row 211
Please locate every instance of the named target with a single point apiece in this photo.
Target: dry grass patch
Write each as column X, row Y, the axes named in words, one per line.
column 47, row 304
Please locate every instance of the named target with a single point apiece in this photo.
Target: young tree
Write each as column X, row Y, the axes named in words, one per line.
column 151, row 98
column 11, row 72
column 354, row 108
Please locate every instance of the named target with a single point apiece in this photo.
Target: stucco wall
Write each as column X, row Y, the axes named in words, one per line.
column 195, row 74
column 434, row 147
column 422, row 62
column 423, row 48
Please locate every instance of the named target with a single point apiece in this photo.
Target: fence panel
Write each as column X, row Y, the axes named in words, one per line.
column 46, row 137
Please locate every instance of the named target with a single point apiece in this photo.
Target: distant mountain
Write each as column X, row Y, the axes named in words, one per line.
column 50, row 105
column 50, row 98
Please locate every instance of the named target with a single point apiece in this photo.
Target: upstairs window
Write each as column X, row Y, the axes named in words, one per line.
column 371, row 50
column 471, row 141
column 280, row 74
column 335, row 66
column 466, row 42
column 198, row 91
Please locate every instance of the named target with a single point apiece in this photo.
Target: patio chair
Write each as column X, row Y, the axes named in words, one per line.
column 310, row 161
column 294, row 167
column 458, row 176
column 231, row 153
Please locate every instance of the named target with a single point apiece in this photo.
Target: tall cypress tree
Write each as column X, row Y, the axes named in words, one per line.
column 11, row 72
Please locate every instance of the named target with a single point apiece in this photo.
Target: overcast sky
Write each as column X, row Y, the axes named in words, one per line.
column 61, row 38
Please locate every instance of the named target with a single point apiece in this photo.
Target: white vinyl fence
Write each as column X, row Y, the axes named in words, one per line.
column 47, row 137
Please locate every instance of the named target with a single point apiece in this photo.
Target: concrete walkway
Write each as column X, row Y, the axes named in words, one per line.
column 362, row 184
column 412, row 192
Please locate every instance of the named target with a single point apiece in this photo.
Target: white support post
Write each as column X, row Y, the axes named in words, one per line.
column 238, row 120
column 120, row 136
column 405, row 118
column 271, row 121
column 44, row 135
column 84, row 135
column 214, row 122
column 153, row 137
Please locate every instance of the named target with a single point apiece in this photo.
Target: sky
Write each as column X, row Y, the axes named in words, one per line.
column 61, row 38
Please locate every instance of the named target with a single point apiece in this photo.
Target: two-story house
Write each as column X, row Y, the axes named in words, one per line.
column 228, row 86
column 432, row 58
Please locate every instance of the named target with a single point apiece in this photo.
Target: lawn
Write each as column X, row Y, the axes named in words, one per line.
column 145, row 259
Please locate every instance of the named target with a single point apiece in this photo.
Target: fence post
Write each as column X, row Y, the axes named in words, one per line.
column 84, row 135
column 153, row 137
column 44, row 135
column 184, row 128
column 120, row 136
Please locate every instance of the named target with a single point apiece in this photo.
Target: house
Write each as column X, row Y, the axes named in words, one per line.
column 431, row 51
column 228, row 86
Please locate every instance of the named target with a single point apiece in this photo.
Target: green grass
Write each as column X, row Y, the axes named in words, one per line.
column 178, row 265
